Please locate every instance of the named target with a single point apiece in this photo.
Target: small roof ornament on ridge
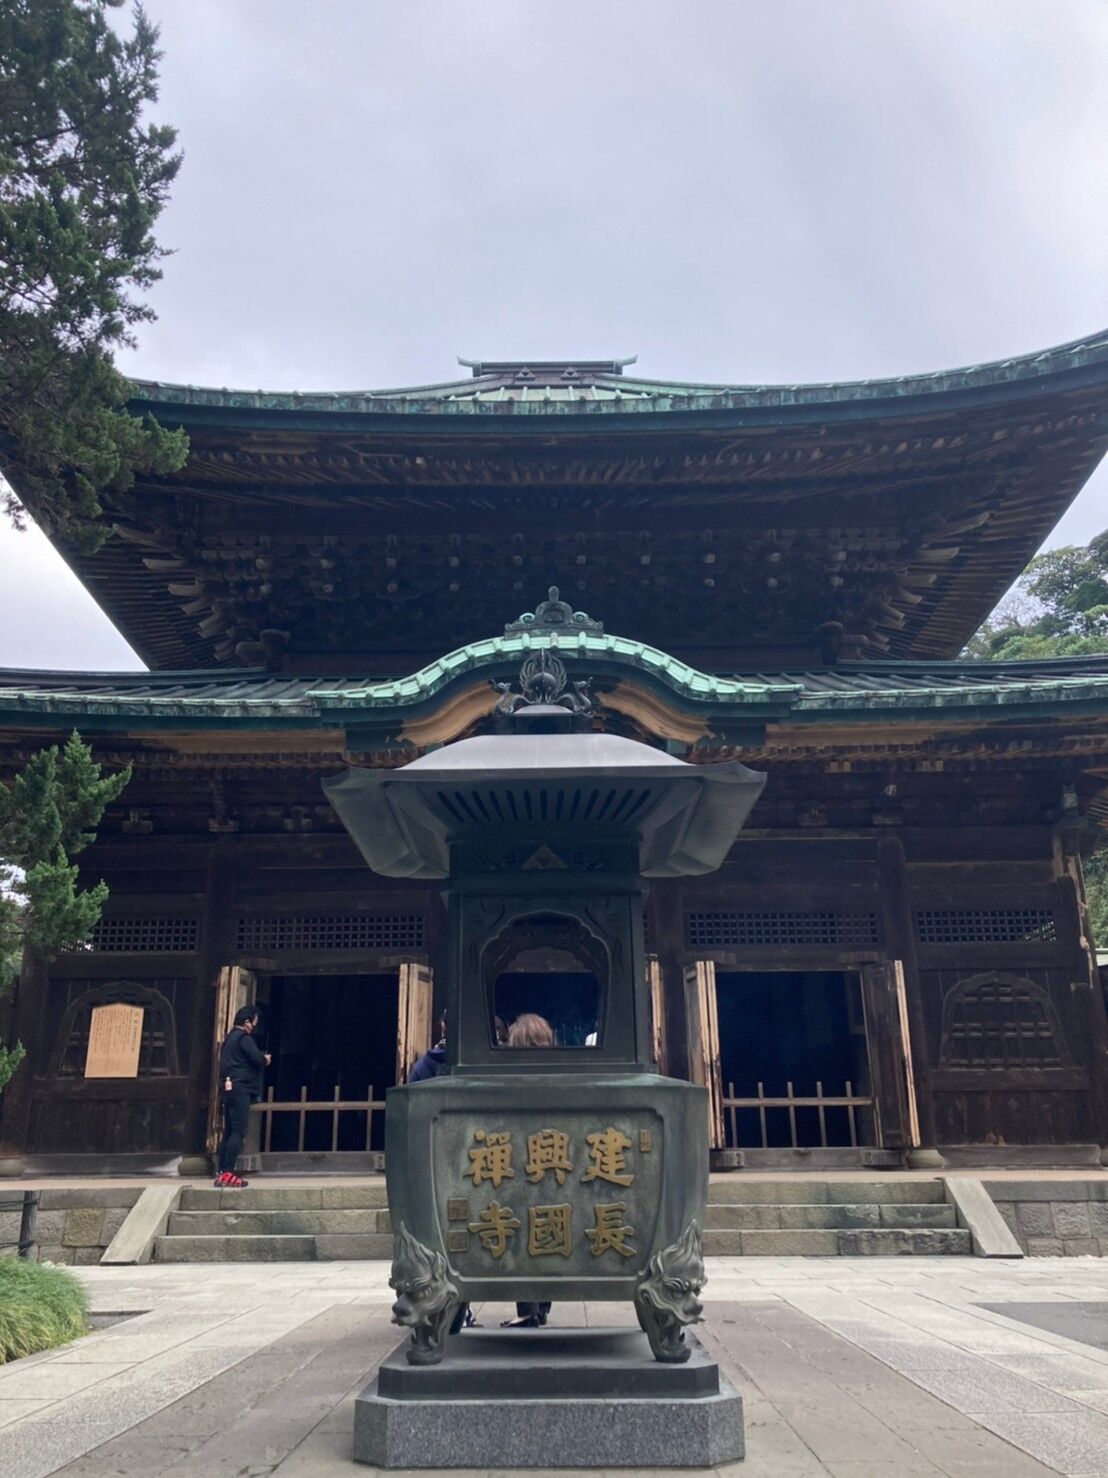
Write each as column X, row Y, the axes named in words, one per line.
column 553, row 616
column 546, row 371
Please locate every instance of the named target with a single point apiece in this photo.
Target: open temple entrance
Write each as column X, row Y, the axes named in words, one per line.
column 793, row 1060
column 334, row 1041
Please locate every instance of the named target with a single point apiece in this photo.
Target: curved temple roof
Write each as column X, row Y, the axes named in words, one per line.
column 732, row 525
column 591, row 387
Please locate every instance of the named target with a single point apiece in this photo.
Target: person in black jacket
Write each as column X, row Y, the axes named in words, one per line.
column 241, row 1065
column 433, row 1061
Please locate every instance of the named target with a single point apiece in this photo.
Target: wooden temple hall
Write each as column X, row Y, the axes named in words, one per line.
column 894, row 960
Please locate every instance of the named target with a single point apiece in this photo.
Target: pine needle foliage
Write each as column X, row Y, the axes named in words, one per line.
column 83, row 178
column 48, row 814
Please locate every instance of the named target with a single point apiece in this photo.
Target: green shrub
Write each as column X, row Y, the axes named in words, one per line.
column 40, row 1306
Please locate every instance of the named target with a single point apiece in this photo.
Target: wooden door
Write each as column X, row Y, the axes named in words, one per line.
column 657, row 1012
column 703, row 1020
column 235, row 987
column 890, row 1055
column 413, row 1017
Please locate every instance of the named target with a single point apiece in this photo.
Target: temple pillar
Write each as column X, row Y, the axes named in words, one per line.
column 900, row 941
column 217, row 943
column 669, row 949
column 1086, row 988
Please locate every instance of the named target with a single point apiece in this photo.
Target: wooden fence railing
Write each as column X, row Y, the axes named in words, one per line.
column 848, row 1101
column 301, row 1107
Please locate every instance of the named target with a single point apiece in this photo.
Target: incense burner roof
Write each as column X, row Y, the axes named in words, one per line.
column 682, row 817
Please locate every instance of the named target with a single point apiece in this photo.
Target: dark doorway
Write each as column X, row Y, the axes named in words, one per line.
column 806, row 1028
column 327, row 1032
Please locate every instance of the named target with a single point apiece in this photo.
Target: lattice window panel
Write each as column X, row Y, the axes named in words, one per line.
column 265, row 933
column 985, row 926
column 996, row 1023
column 739, row 929
column 133, row 936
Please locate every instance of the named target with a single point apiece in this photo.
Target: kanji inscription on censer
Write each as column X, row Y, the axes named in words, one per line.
column 573, row 1194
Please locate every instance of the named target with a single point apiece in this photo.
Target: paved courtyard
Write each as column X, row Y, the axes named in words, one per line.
column 856, row 1369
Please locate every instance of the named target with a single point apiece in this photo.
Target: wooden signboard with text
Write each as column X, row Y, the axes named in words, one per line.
column 114, row 1042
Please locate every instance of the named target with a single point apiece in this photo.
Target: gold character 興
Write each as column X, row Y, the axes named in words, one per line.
column 548, row 1150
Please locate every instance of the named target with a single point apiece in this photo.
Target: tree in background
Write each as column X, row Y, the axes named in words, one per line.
column 1058, row 608
column 1095, row 869
column 83, row 178
column 47, row 815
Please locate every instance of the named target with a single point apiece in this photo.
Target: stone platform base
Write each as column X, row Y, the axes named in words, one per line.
column 544, row 1398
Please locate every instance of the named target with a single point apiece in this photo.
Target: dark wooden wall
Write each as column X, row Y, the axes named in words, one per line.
column 998, row 907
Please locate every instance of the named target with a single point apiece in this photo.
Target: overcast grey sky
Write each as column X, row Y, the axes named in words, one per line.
column 735, row 190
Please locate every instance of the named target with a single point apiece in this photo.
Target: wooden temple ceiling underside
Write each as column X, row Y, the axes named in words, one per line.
column 714, row 523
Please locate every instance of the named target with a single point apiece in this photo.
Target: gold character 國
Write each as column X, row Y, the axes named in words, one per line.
column 548, row 1231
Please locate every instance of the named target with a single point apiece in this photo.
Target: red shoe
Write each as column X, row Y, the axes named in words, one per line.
column 235, row 1182
column 220, row 1180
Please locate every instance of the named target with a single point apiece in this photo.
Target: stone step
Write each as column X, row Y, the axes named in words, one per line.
column 737, row 1190
column 235, row 1249
column 740, row 1217
column 825, row 1242
column 357, row 1246
column 364, row 1196
column 237, row 1223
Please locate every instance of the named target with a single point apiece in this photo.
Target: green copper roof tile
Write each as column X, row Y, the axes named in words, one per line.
column 849, row 692
column 601, row 388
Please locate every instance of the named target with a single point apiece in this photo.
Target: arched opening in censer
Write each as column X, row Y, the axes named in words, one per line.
column 550, row 966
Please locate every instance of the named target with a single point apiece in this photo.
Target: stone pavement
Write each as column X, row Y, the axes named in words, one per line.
column 850, row 1368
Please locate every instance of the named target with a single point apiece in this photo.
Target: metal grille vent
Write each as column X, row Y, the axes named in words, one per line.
column 985, row 926
column 577, row 806
column 131, row 936
column 735, row 929
column 264, row 933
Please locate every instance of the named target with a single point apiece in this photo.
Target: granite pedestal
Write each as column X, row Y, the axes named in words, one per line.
column 548, row 1398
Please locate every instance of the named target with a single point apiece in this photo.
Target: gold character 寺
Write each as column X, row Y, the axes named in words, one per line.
column 495, row 1227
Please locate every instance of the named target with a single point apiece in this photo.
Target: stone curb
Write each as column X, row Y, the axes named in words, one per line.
column 977, row 1211
column 146, row 1221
